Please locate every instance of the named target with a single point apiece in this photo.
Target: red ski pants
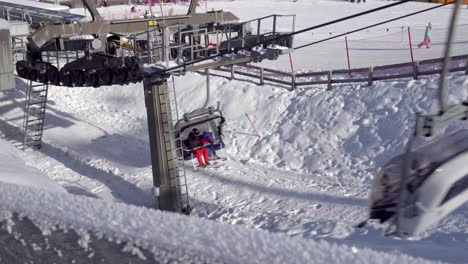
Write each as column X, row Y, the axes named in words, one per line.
column 198, row 153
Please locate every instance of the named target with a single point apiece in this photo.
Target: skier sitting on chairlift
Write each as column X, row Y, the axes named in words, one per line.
column 208, row 142
column 195, row 143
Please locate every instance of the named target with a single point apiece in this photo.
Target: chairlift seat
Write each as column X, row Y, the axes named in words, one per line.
column 437, row 182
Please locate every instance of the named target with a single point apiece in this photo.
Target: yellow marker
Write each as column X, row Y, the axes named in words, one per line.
column 152, row 23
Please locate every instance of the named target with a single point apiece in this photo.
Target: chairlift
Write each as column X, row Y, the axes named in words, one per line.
column 418, row 188
column 209, row 120
column 205, row 119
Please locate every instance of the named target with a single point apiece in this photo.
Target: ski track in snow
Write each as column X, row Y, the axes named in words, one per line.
column 308, row 176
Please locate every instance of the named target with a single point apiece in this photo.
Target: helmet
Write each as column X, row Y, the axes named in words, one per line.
column 196, row 131
column 207, row 134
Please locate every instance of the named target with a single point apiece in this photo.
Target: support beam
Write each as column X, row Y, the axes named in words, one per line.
column 162, row 150
column 193, row 7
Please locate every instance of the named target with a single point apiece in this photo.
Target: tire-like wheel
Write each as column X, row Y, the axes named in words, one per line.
column 32, row 75
column 77, row 77
column 135, row 71
column 65, row 77
column 53, row 76
column 42, row 77
column 21, row 70
column 91, row 78
column 120, row 75
column 105, row 77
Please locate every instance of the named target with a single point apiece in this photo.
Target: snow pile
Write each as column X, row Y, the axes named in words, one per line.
column 182, row 238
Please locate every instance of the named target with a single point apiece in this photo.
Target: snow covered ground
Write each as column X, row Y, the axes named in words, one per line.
column 308, row 176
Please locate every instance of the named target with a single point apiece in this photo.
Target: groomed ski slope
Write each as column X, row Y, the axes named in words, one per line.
column 308, row 176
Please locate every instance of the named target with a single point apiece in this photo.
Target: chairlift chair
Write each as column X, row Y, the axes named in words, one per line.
column 436, row 185
column 205, row 119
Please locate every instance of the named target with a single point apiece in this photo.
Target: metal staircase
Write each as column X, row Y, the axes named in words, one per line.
column 34, row 114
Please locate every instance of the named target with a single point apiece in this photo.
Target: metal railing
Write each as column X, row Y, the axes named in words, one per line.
column 358, row 75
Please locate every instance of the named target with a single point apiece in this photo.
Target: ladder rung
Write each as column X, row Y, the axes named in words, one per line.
column 31, row 139
column 37, row 106
column 39, row 126
column 29, row 131
column 32, row 132
column 38, row 115
column 39, row 91
column 34, row 135
column 35, row 120
column 37, row 142
column 35, row 103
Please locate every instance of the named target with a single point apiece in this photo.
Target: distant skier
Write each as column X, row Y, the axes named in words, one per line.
column 427, row 37
column 133, row 12
column 195, row 142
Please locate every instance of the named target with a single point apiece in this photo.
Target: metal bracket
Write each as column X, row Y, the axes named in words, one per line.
column 156, row 192
column 427, row 123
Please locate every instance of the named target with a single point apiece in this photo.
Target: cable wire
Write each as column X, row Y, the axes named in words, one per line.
column 374, row 25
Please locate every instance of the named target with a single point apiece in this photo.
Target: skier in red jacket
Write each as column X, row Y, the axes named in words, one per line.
column 196, row 142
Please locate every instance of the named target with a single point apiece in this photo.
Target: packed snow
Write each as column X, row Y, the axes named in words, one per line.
column 13, row 170
column 309, row 174
column 171, row 236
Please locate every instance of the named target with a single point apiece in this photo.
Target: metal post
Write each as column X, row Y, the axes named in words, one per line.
column 258, row 30
column 347, row 53
column 166, row 195
column 243, row 35
column 293, row 30
column 410, row 45
column 466, row 66
column 443, row 93
column 293, row 81
column 415, row 70
column 274, row 24
column 262, row 74
column 329, row 84
column 229, row 39
column 371, row 76
column 166, row 45
column 179, row 48
column 207, row 72
column 232, row 72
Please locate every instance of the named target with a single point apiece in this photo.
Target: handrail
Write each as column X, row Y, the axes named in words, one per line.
column 366, row 74
column 265, row 17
